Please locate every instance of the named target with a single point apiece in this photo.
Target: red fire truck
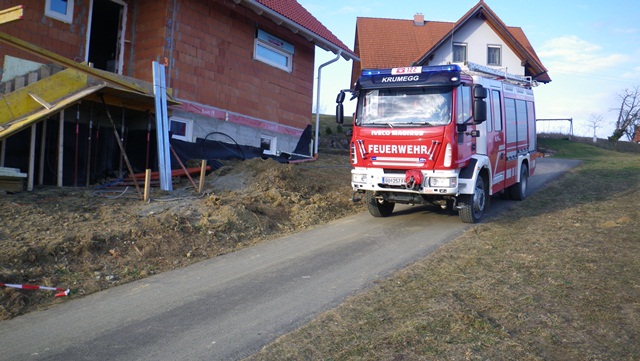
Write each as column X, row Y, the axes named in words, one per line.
column 446, row 135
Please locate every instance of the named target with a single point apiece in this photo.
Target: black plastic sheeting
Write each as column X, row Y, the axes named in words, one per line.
column 94, row 154
column 225, row 147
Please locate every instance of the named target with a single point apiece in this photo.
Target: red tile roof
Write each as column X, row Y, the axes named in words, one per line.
column 296, row 13
column 386, row 43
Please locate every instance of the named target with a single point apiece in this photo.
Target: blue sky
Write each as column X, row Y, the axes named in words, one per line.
column 591, row 49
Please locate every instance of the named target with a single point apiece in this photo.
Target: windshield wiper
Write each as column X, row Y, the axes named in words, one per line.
column 380, row 122
column 419, row 123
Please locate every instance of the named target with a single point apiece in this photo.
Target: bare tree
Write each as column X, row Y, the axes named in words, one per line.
column 628, row 114
column 322, row 109
column 594, row 122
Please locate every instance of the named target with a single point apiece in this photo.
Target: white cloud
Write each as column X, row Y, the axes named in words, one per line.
column 313, row 8
column 626, row 31
column 357, row 10
column 571, row 55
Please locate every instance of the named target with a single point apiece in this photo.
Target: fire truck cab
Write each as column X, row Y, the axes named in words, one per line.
column 441, row 135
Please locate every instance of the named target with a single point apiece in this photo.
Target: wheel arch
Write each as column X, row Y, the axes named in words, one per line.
column 523, row 162
column 469, row 174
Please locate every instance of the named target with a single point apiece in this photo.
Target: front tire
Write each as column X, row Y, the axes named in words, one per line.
column 473, row 205
column 377, row 207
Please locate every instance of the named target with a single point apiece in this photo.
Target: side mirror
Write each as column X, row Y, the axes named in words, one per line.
column 340, row 108
column 339, row 113
column 480, row 93
column 479, row 111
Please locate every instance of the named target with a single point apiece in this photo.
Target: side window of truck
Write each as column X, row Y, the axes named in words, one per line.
column 495, row 109
column 463, row 106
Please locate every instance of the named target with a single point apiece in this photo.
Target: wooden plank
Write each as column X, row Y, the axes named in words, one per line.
column 20, row 103
column 203, row 168
column 11, row 184
column 6, row 130
column 147, row 184
column 42, row 102
column 11, row 172
column 126, row 83
column 11, row 14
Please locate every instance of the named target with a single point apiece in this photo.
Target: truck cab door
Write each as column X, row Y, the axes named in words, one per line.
column 466, row 146
column 496, row 142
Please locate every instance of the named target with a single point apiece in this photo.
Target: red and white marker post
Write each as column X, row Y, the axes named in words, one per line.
column 61, row 291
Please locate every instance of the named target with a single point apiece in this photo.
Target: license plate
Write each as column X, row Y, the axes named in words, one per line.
column 393, row 180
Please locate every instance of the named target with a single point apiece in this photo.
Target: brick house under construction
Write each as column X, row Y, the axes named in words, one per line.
column 238, row 73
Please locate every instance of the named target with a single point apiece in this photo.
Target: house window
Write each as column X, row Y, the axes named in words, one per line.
column 268, row 144
column 273, row 51
column 494, row 56
column 459, row 52
column 59, row 9
column 182, row 129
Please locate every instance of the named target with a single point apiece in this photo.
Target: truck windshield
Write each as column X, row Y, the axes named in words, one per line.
column 405, row 107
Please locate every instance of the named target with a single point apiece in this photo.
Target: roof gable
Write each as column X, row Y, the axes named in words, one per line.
column 405, row 43
column 294, row 16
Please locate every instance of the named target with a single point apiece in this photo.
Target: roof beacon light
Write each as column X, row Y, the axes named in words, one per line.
column 412, row 70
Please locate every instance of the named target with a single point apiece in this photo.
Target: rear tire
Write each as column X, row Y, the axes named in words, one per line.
column 473, row 205
column 378, row 208
column 518, row 191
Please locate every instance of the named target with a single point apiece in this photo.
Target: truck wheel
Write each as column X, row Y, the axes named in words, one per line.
column 378, row 208
column 518, row 191
column 473, row 205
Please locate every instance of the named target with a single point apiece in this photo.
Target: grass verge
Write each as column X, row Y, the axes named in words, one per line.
column 554, row 278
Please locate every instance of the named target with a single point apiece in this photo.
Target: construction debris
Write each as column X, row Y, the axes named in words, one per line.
column 11, row 180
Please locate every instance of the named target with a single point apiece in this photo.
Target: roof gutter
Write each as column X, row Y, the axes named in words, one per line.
column 296, row 28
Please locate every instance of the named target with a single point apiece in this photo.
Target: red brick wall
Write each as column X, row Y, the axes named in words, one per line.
column 150, row 21
column 209, row 48
column 214, row 64
column 68, row 40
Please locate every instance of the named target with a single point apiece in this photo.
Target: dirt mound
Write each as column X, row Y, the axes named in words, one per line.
column 89, row 240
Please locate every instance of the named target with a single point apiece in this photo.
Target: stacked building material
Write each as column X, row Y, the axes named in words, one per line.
column 11, row 180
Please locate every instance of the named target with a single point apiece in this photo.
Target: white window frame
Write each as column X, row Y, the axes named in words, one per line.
column 67, row 18
column 499, row 47
column 273, row 142
column 260, row 42
column 121, row 32
column 463, row 45
column 188, row 130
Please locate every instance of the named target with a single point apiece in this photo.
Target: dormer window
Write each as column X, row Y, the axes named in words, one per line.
column 494, row 55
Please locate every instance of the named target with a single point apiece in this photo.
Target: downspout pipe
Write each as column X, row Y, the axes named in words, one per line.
column 315, row 152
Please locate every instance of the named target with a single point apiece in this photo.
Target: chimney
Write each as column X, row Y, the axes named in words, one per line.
column 418, row 19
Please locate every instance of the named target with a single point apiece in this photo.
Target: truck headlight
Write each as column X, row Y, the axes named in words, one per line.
column 443, row 182
column 358, row 178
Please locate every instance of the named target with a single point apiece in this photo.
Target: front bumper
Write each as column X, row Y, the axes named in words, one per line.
column 381, row 180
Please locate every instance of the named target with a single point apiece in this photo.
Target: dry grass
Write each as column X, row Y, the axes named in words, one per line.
column 555, row 278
